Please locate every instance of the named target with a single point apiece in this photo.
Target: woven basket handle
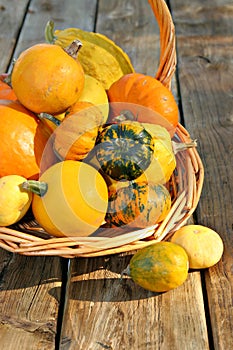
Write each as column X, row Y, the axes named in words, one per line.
column 167, row 64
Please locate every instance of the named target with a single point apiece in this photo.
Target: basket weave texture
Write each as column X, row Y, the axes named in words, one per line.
column 27, row 238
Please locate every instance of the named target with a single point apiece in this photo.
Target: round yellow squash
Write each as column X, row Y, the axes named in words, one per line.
column 95, row 93
column 203, row 245
column 70, row 199
column 159, row 267
column 164, row 161
column 14, row 200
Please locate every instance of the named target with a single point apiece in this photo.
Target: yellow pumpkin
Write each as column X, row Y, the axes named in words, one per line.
column 203, row 245
column 164, row 158
column 95, row 93
column 15, row 201
column 70, row 199
column 100, row 57
column 164, row 161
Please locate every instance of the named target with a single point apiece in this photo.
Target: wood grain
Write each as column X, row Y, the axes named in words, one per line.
column 11, row 16
column 101, row 309
column 107, row 312
column 29, row 300
column 205, row 69
column 30, row 287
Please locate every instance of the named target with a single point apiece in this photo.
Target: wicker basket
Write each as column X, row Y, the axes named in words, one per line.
column 27, row 238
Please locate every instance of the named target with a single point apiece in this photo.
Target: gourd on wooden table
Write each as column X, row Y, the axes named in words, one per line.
column 203, row 245
column 159, row 267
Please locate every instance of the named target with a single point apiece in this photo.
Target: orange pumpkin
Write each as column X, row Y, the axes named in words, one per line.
column 140, row 89
column 23, row 139
column 76, row 135
column 47, row 79
column 6, row 92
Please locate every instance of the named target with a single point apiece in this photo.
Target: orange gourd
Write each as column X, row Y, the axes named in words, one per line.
column 76, row 135
column 23, row 139
column 47, row 79
column 140, row 89
column 6, row 92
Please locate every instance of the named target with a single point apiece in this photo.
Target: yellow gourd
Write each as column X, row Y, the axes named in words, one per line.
column 164, row 160
column 95, row 93
column 100, row 57
column 14, row 200
column 70, row 199
column 203, row 245
column 159, row 267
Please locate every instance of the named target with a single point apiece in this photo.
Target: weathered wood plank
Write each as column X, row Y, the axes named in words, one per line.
column 11, row 15
column 205, row 46
column 30, row 287
column 103, row 311
column 134, row 28
column 29, row 296
column 202, row 17
column 70, row 14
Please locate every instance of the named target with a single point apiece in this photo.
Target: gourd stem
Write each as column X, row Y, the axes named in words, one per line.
column 49, row 32
column 125, row 115
column 38, row 187
column 182, row 146
column 50, row 117
column 73, row 49
column 126, row 271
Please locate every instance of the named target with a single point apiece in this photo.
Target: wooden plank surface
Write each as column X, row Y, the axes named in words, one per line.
column 205, row 46
column 12, row 16
column 107, row 312
column 29, row 300
column 104, row 312
column 30, row 287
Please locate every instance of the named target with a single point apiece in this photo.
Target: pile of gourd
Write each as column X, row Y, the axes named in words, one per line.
column 84, row 140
